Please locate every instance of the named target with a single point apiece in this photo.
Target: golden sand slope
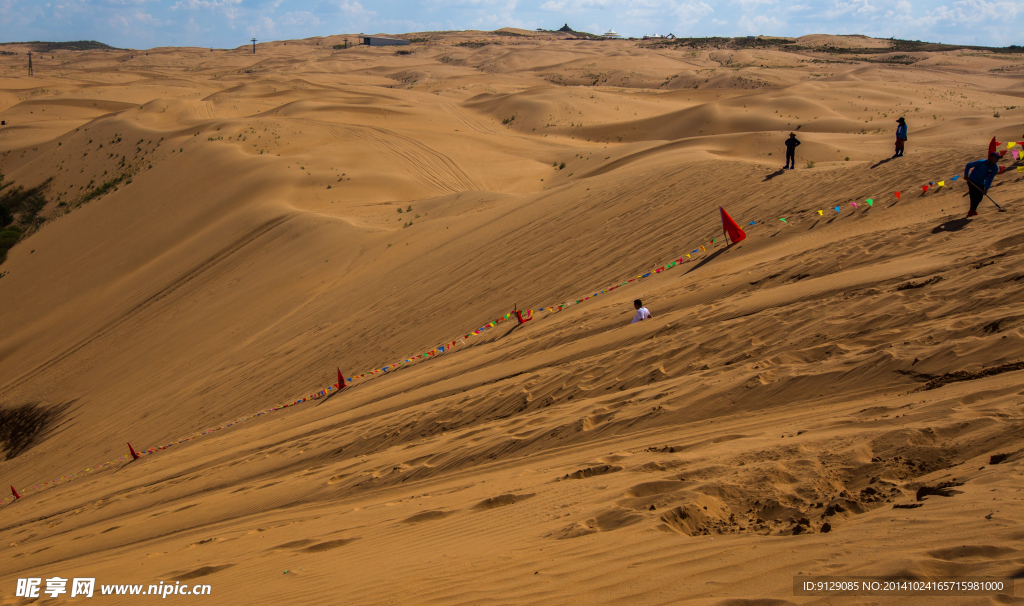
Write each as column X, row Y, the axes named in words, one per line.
column 788, row 392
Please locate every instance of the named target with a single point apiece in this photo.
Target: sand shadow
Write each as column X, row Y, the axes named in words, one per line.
column 881, row 162
column 509, row 331
column 774, row 174
column 954, row 225
column 707, row 259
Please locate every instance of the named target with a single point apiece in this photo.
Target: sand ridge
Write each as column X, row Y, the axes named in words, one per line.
column 224, row 230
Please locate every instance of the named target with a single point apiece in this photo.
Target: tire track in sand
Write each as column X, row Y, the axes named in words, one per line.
column 429, row 167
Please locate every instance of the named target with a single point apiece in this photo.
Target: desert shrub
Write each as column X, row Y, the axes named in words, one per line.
column 561, row 166
column 25, row 204
column 810, row 164
column 403, row 52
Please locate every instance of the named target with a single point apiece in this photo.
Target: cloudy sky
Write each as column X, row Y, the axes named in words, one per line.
column 229, row 23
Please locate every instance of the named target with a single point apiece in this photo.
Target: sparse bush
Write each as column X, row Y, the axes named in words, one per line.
column 810, row 164
column 847, row 158
column 561, row 166
column 995, row 115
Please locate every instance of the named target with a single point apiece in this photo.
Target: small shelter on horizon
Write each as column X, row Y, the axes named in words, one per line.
column 381, row 41
column 611, row 34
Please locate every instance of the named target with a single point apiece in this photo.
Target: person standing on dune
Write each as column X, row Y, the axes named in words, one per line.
column 791, row 144
column 901, row 137
column 641, row 312
column 979, row 176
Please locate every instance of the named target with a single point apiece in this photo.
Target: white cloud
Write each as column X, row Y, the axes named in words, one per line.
column 263, row 26
column 759, row 24
column 854, row 7
column 574, row 6
column 204, row 4
column 131, row 21
column 692, row 12
column 300, row 19
column 354, row 9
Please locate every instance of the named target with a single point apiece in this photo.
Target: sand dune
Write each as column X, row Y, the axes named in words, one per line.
column 839, row 394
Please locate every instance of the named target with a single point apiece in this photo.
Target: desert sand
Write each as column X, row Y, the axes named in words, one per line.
column 839, row 394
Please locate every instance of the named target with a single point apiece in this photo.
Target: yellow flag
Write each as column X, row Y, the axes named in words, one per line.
column 942, row 183
column 1011, row 144
column 1020, row 169
column 821, row 212
column 688, row 256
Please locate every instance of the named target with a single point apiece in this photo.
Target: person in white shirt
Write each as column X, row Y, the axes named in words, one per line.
column 641, row 312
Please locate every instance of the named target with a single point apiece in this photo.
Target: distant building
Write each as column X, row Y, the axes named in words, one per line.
column 382, row 41
column 565, row 28
column 611, row 34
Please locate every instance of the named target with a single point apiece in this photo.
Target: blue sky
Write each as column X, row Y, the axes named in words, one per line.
column 229, row 23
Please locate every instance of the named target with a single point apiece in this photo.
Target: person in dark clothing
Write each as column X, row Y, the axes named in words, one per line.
column 901, row 137
column 791, row 144
column 979, row 176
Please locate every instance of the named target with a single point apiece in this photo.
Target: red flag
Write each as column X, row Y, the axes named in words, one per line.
column 924, row 189
column 730, row 227
column 898, row 195
column 341, row 379
column 15, row 493
column 135, row 455
column 992, row 145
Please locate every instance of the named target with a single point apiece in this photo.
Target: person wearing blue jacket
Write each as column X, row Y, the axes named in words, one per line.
column 901, row 137
column 979, row 176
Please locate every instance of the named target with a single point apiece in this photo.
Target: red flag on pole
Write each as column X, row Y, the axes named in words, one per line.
column 898, row 195
column 15, row 493
column 341, row 379
column 731, row 228
column 135, row 455
column 992, row 145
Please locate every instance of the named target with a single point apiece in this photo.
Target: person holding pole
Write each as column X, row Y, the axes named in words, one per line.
column 979, row 176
